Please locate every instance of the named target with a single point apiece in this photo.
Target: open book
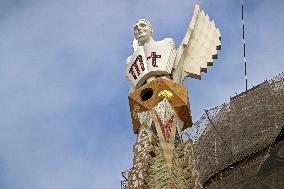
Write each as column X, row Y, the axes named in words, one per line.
column 152, row 59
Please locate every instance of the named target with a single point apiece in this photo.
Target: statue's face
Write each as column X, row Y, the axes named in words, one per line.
column 142, row 31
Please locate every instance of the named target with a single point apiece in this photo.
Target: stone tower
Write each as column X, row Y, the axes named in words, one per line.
column 160, row 111
column 159, row 101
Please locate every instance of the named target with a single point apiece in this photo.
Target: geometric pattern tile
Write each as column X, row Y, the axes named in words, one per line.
column 166, row 128
column 142, row 116
column 153, row 128
column 164, row 111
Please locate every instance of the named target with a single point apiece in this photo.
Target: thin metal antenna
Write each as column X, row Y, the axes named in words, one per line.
column 244, row 45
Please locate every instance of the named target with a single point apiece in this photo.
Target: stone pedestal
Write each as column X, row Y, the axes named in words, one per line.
column 160, row 111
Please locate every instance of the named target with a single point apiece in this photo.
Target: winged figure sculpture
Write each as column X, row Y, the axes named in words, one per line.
column 154, row 59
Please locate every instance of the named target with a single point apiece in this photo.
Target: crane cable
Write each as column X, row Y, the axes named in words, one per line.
column 244, row 45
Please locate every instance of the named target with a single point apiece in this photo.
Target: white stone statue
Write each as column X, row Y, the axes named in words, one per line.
column 154, row 59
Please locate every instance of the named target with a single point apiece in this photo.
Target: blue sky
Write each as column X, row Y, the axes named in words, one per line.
column 64, row 115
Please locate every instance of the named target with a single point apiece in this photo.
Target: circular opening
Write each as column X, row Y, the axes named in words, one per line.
column 146, row 94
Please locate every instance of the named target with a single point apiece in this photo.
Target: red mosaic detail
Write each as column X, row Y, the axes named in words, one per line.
column 154, row 57
column 136, row 67
column 166, row 128
column 140, row 60
column 132, row 72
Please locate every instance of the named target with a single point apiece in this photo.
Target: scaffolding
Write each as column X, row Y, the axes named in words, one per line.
column 231, row 132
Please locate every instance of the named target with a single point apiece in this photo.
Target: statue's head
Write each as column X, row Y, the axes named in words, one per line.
column 143, row 31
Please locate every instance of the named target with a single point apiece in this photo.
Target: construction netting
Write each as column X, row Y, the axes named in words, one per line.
column 247, row 124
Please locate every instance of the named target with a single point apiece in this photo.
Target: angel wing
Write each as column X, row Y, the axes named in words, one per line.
column 198, row 48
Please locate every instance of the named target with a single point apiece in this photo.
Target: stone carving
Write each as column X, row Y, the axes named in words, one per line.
column 159, row 102
column 152, row 59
